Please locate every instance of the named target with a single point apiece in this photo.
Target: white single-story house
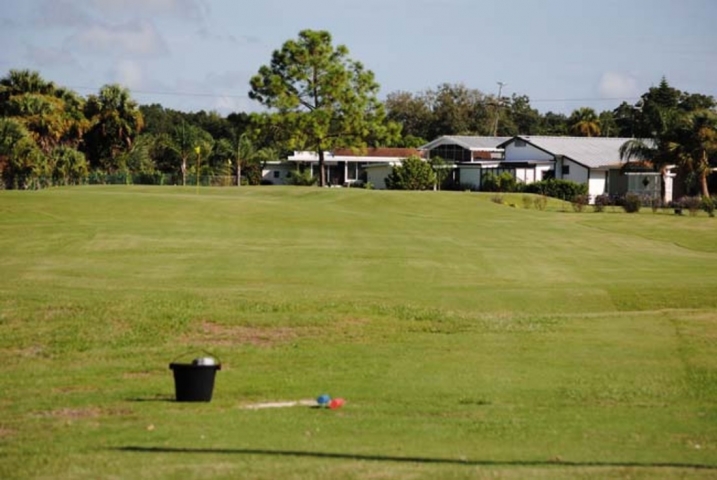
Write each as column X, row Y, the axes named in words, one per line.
column 464, row 149
column 377, row 173
column 594, row 161
column 277, row 172
column 346, row 166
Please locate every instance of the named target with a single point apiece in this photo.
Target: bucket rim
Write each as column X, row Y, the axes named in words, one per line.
column 174, row 365
column 194, row 351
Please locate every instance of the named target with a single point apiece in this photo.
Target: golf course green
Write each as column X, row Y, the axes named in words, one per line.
column 469, row 339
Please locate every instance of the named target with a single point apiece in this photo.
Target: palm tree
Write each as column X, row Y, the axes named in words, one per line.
column 659, row 151
column 21, row 82
column 21, row 161
column 698, row 144
column 584, row 122
column 182, row 144
column 116, row 120
column 43, row 117
column 69, row 166
column 245, row 153
column 53, row 114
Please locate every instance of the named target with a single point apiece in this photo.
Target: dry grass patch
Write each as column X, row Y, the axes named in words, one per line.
column 210, row 333
column 82, row 413
column 73, row 413
column 214, row 334
column 74, row 389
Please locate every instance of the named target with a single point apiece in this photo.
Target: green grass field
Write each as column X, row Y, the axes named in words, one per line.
column 469, row 339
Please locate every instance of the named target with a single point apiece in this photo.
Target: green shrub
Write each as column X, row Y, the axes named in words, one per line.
column 505, row 182
column 362, row 184
column 562, row 189
column 601, row 201
column 412, row 174
column 655, row 203
column 303, row 179
column 692, row 204
column 708, row 205
column 632, row 203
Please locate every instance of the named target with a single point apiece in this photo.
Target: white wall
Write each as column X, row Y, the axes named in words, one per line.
column 523, row 154
column 269, row 173
column 578, row 173
column 525, row 175
column 540, row 171
column 597, row 184
column 376, row 175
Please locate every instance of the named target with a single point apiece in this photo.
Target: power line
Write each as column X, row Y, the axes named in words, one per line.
column 600, row 99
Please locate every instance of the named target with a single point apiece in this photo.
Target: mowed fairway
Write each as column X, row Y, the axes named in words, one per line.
column 469, row 339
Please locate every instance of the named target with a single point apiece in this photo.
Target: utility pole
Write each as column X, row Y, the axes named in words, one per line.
column 497, row 108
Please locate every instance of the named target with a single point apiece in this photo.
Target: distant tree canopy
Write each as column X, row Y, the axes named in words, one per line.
column 584, row 122
column 454, row 109
column 320, row 99
column 672, row 127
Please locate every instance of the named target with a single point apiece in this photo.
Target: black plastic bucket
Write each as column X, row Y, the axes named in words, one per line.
column 194, row 383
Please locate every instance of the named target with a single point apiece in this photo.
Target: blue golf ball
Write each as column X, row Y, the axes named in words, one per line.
column 323, row 399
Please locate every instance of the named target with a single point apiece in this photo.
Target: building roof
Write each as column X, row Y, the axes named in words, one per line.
column 377, row 152
column 592, row 152
column 367, row 155
column 468, row 142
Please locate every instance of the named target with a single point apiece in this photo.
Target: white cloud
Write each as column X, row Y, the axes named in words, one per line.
column 185, row 9
column 128, row 73
column 207, row 34
column 48, row 56
column 61, row 13
column 135, row 38
column 226, row 105
column 618, row 85
column 230, row 79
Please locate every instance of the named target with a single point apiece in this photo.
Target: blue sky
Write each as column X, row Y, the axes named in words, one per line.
column 200, row 54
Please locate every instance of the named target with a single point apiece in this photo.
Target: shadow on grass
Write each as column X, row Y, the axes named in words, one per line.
column 388, row 458
column 155, row 398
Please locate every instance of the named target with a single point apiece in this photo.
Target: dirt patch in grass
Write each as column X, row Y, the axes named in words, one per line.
column 74, row 389
column 210, row 333
column 81, row 413
column 34, row 351
column 6, row 432
column 74, row 413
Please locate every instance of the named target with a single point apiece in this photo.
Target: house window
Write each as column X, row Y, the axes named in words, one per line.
column 352, row 170
column 519, row 143
column 566, row 170
column 452, row 153
column 276, row 173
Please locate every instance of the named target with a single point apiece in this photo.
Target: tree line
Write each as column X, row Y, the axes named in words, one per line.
column 317, row 98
